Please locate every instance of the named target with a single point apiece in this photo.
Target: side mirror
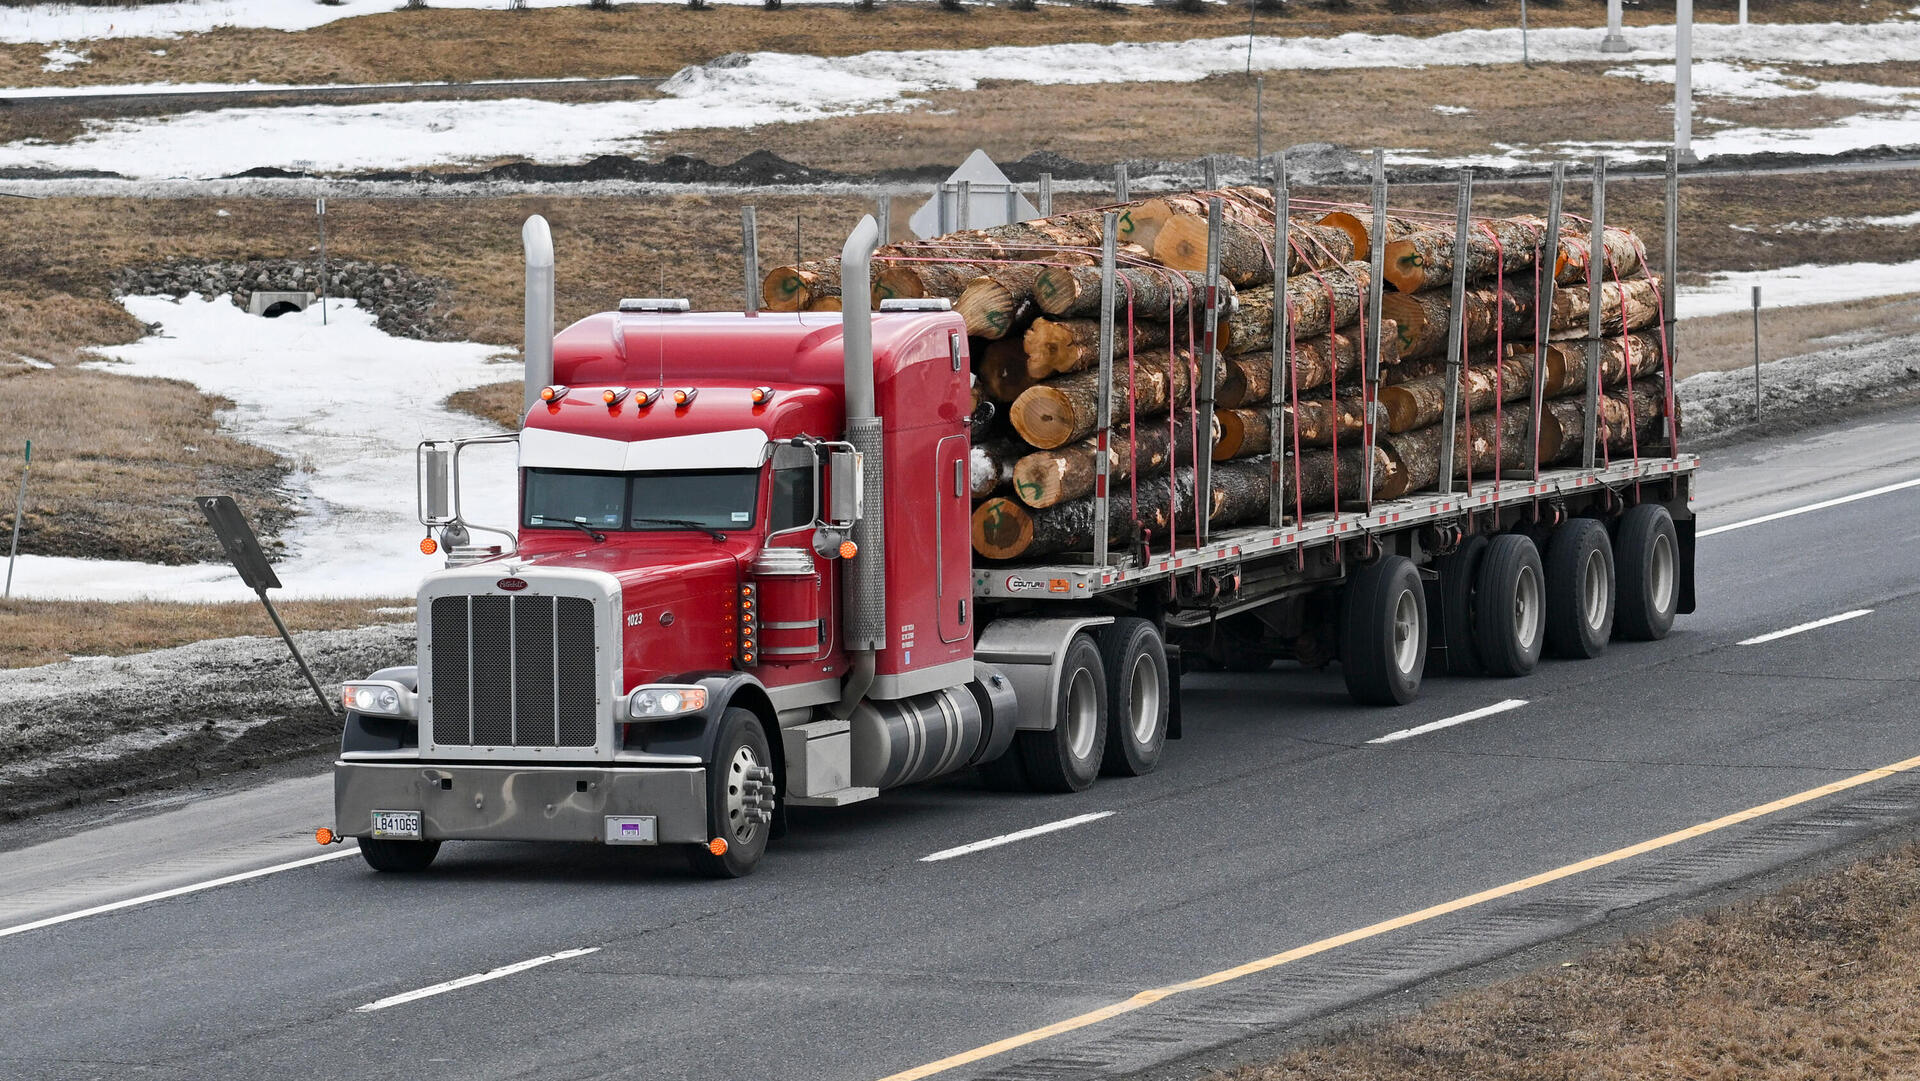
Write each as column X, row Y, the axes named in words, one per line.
column 435, row 484
column 846, row 479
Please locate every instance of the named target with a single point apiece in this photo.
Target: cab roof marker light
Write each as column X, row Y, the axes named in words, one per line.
column 762, row 395
column 554, row 393
column 645, row 398
column 614, row 395
column 685, row 395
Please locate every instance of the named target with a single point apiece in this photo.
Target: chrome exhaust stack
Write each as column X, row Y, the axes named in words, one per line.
column 864, row 587
column 537, row 239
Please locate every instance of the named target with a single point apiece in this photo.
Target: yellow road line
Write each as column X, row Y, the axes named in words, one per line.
column 1156, row 994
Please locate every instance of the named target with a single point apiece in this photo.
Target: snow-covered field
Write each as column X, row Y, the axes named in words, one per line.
column 346, row 404
column 1795, row 286
column 73, row 22
column 745, row 90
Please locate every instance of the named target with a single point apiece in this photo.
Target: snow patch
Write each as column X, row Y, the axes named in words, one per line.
column 346, row 404
column 1791, row 287
column 1452, row 110
column 61, row 58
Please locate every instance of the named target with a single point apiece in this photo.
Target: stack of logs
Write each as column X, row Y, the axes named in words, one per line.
column 1031, row 296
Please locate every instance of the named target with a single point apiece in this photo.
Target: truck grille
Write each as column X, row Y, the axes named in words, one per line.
column 513, row 672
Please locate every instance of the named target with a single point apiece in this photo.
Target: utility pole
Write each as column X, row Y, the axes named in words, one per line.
column 1615, row 41
column 1683, row 81
column 1526, row 58
column 320, row 215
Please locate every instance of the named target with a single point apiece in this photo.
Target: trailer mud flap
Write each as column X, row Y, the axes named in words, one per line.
column 1174, row 668
column 1683, row 531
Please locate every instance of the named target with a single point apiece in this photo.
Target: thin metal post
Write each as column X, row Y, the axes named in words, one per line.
column 320, row 215
column 1743, row 12
column 1013, row 204
column 1259, row 119
column 1683, row 79
column 1209, row 359
column 1456, row 328
column 325, row 702
column 1109, row 290
column 1276, row 414
column 1543, row 278
column 1671, row 270
column 1596, row 299
column 19, row 510
column 750, row 256
column 963, row 206
column 883, row 217
column 1046, row 195
column 796, row 239
column 1121, row 192
column 1756, row 346
column 1370, row 364
column 945, row 224
column 1615, row 41
column 1210, row 171
column 1526, row 58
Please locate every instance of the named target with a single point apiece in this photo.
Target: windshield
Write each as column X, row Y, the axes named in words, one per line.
column 695, row 499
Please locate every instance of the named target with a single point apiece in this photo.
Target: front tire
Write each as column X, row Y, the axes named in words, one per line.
column 1646, row 556
column 1383, row 647
column 1138, row 697
column 740, row 798
column 398, row 857
column 1067, row 758
column 1509, row 606
column 1580, row 604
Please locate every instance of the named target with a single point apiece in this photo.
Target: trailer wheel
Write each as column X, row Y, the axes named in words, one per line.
column 1458, row 570
column 1067, row 758
column 1579, row 574
column 398, row 856
column 740, row 794
column 1383, row 647
column 1509, row 606
column 1646, row 557
column 1139, row 696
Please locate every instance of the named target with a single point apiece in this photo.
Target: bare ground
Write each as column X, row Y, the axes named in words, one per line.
column 47, row 632
column 659, row 39
column 1813, row 982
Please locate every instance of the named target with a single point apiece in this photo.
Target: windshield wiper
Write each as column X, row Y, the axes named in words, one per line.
column 583, row 527
column 684, row 523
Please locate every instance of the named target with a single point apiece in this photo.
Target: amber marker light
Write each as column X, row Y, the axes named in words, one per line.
column 553, row 393
column 717, row 846
column 324, row 836
column 684, row 395
column 762, row 395
column 428, row 546
column 848, row 549
column 614, row 395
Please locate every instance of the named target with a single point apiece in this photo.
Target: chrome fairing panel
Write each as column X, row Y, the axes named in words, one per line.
column 527, row 674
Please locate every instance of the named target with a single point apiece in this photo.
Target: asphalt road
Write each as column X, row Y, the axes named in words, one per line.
column 1273, row 824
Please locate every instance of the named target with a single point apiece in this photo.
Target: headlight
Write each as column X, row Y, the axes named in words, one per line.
column 648, row 703
column 378, row 699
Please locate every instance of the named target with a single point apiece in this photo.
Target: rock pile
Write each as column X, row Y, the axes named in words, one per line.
column 405, row 303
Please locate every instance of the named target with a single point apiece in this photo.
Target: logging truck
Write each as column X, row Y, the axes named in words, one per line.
column 746, row 576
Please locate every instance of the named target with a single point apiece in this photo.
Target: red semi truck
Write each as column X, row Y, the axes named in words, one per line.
column 742, row 580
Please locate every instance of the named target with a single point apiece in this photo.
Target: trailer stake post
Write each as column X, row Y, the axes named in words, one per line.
column 884, row 217
column 1209, row 358
column 1756, row 352
column 1671, row 270
column 1370, row 363
column 750, row 256
column 1210, row 173
column 1596, row 297
column 1282, row 355
column 963, row 206
column 1102, row 505
column 1543, row 306
column 1121, row 191
column 1456, row 328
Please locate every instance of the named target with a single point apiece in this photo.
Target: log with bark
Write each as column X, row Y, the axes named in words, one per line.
column 1001, row 366
column 1419, row 402
column 1322, row 300
column 1151, row 291
column 1628, row 305
column 791, row 288
column 1358, row 225
column 1046, row 478
column 1066, row 408
column 1246, row 256
column 1316, row 362
column 1416, row 454
column 1063, row 346
column 1424, row 259
column 998, row 301
column 1567, row 361
column 1008, row 529
column 992, row 463
column 1142, row 223
column 1624, row 255
column 1422, row 318
column 1314, row 481
column 913, row 280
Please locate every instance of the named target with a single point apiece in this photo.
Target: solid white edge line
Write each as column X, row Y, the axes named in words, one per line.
column 1449, row 722
column 1017, row 835
column 478, row 977
column 1815, row 625
column 1810, row 508
column 177, row 891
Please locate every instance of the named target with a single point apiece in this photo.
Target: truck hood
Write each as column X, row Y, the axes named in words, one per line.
column 679, row 598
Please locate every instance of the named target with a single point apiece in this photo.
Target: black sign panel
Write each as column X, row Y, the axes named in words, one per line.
column 237, row 538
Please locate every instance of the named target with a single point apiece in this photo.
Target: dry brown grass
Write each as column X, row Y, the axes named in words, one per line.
column 659, row 39
column 43, row 632
column 1815, row 982
column 1723, row 342
column 496, row 402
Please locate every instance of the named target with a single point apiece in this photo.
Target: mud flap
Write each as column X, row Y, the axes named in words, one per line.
column 1174, row 667
column 1683, row 531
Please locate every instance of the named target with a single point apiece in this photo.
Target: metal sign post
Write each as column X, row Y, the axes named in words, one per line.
column 20, row 508
column 1526, row 57
column 1615, row 41
column 320, row 215
column 1259, row 120
column 1756, row 351
column 1683, row 80
column 750, row 256
column 243, row 551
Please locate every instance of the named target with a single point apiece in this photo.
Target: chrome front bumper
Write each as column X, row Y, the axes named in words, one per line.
column 520, row 803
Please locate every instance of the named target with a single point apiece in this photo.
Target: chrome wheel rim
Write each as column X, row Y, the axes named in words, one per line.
column 1143, row 700
column 1526, row 607
column 1661, row 572
column 1593, row 589
column 1083, row 713
column 743, row 794
column 1406, row 631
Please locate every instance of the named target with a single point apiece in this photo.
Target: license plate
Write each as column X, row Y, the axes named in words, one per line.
column 631, row 830
column 397, row 824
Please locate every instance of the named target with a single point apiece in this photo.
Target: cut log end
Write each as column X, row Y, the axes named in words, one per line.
column 1044, row 417
column 1002, row 528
